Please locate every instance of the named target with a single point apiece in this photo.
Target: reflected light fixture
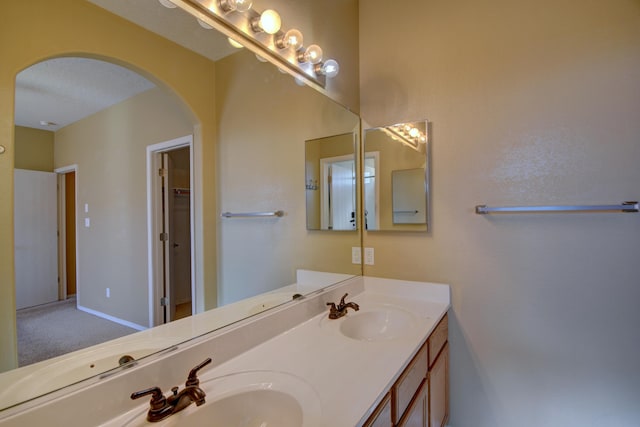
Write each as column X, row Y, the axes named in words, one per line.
column 234, row 43
column 312, row 54
column 290, row 39
column 329, row 68
column 168, row 4
column 204, row 24
column 269, row 21
column 235, row 5
column 407, row 134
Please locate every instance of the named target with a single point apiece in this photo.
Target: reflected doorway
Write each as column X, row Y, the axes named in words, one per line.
column 172, row 242
column 337, row 193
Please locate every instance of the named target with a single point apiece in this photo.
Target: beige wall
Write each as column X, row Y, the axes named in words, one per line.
column 531, row 102
column 33, row 149
column 333, row 25
column 264, row 121
column 110, row 150
column 71, row 27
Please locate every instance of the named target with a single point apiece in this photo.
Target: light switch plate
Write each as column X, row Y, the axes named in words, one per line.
column 368, row 256
column 356, row 255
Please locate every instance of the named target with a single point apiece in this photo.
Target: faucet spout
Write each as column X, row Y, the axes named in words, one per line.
column 336, row 312
column 161, row 407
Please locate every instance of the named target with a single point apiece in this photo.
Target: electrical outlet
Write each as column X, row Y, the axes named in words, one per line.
column 368, row 256
column 108, row 293
column 356, row 255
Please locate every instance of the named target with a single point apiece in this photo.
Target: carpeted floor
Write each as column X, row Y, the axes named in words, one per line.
column 57, row 328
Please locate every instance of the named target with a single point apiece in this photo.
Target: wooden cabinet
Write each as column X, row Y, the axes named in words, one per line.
column 381, row 417
column 439, row 389
column 416, row 415
column 420, row 396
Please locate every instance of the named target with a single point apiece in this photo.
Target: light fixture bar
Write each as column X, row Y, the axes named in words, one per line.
column 198, row 10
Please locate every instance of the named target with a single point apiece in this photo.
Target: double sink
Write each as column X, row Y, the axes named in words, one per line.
column 276, row 398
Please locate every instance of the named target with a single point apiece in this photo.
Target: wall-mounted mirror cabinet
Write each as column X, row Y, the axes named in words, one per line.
column 330, row 182
column 396, row 177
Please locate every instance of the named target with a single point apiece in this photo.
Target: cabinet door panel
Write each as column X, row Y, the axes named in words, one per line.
column 416, row 415
column 382, row 415
column 439, row 390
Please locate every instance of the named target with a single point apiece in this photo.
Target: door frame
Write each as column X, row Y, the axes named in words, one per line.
column 154, row 226
column 62, row 227
column 325, row 210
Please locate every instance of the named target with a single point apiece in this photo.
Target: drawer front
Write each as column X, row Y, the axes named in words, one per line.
column 407, row 385
column 438, row 338
column 381, row 417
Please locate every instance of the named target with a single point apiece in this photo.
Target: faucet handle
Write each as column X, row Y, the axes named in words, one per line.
column 342, row 303
column 158, row 401
column 193, row 380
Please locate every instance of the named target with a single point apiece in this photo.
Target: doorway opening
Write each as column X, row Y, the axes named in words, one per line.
column 171, row 260
column 337, row 193
column 67, row 271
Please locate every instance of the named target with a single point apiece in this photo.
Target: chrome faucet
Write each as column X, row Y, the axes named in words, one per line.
column 336, row 312
column 161, row 407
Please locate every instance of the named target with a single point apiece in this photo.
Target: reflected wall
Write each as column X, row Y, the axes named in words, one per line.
column 264, row 120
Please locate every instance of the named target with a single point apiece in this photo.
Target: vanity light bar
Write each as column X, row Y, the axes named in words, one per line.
column 261, row 33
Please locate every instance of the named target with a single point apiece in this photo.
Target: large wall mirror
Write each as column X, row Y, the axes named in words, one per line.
column 261, row 121
column 396, row 177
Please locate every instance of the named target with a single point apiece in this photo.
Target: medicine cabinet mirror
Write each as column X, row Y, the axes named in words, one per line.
column 330, row 183
column 396, row 177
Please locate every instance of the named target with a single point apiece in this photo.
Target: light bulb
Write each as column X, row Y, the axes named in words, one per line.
column 167, row 4
column 204, row 24
column 292, row 38
column 260, row 58
column 329, row 68
column 234, row 43
column 414, row 132
column 235, row 5
column 312, row 54
column 270, row 21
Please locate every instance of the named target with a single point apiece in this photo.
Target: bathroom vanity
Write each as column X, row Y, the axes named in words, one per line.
column 385, row 364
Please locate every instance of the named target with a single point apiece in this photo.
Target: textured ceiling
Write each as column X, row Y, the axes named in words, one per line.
column 65, row 90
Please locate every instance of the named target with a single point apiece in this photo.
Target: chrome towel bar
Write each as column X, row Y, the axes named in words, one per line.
column 251, row 214
column 623, row 207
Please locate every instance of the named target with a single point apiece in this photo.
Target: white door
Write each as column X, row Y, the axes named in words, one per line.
column 36, row 242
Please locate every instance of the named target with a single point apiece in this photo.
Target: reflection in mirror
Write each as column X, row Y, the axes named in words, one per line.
column 395, row 175
column 262, row 119
column 330, row 181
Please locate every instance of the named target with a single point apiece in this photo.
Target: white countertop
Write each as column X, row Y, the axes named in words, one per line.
column 350, row 376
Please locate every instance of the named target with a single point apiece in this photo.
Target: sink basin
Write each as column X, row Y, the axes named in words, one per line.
column 376, row 323
column 249, row 399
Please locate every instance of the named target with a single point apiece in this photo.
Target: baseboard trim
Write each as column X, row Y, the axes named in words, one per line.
column 112, row 318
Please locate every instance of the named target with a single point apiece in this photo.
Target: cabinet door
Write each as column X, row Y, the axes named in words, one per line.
column 381, row 417
column 416, row 415
column 439, row 390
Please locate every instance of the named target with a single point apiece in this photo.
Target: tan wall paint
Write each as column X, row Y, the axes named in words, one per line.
column 531, row 102
column 264, row 121
column 333, row 25
column 33, row 149
column 70, row 27
column 110, row 150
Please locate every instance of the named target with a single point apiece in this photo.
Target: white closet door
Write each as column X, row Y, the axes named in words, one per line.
column 36, row 242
